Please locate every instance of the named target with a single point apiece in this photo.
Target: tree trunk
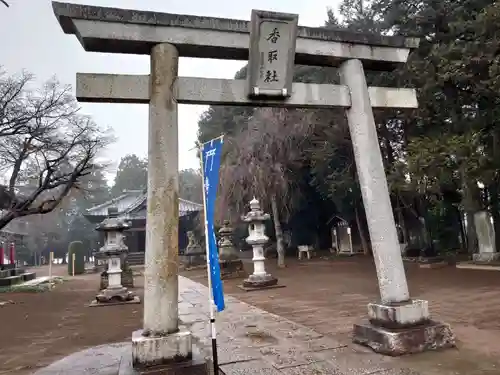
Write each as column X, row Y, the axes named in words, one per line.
column 463, row 235
column 495, row 212
column 361, row 231
column 471, row 206
column 495, row 191
column 280, row 243
column 6, row 219
column 402, row 223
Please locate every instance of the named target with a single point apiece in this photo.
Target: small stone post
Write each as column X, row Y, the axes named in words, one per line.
column 256, row 219
column 231, row 265
column 113, row 249
column 397, row 324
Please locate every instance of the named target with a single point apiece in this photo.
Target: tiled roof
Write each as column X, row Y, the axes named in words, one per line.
column 132, row 203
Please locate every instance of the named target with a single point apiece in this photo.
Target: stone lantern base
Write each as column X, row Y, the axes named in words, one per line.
column 257, row 282
column 115, row 296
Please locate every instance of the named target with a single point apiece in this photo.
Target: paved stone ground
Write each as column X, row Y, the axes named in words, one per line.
column 250, row 341
column 330, row 295
column 253, row 341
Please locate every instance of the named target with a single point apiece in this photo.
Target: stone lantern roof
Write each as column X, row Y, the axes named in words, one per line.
column 113, row 222
column 255, row 214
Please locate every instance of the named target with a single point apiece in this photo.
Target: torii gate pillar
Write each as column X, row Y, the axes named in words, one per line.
column 161, row 339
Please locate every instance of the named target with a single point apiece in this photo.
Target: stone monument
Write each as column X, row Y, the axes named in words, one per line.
column 485, row 238
column 113, row 250
column 344, row 239
column 257, row 238
column 231, row 265
column 194, row 256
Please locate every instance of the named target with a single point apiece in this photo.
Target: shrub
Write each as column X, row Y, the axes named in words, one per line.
column 76, row 247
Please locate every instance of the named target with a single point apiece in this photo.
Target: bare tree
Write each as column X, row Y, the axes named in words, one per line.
column 46, row 146
column 262, row 161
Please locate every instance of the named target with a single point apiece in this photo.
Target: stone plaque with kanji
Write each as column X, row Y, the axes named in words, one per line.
column 271, row 54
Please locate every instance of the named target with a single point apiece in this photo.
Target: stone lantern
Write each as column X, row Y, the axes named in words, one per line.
column 113, row 250
column 229, row 259
column 257, row 238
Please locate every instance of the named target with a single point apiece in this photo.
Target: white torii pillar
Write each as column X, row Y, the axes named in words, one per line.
column 397, row 325
column 161, row 340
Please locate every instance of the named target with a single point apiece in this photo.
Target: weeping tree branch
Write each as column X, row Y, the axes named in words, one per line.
column 262, row 162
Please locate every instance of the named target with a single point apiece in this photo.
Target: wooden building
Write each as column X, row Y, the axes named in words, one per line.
column 131, row 205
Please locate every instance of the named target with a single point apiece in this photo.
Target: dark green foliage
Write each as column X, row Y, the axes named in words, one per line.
column 132, row 174
column 76, row 247
column 190, row 185
column 442, row 160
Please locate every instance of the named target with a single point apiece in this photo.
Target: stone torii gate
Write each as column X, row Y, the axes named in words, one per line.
column 397, row 324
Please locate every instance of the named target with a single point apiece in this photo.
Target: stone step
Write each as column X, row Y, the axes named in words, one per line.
column 11, row 272
column 135, row 259
column 5, row 273
column 18, row 271
column 27, row 276
column 10, row 280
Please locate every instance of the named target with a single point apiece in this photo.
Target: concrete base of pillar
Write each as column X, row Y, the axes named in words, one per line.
column 396, row 342
column 196, row 364
column 150, row 351
column 485, row 257
column 399, row 315
column 402, row 328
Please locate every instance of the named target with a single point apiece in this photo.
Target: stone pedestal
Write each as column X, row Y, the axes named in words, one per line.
column 127, row 277
column 260, row 279
column 230, row 263
column 403, row 328
column 194, row 256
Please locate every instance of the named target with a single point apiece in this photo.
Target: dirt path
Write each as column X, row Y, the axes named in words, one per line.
column 38, row 328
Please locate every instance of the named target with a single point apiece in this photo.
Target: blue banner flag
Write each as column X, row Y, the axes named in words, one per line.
column 211, row 154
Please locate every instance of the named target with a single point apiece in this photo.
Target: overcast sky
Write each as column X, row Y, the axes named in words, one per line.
column 32, row 39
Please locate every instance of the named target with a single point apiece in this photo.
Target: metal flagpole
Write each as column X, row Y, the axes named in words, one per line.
column 211, row 302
